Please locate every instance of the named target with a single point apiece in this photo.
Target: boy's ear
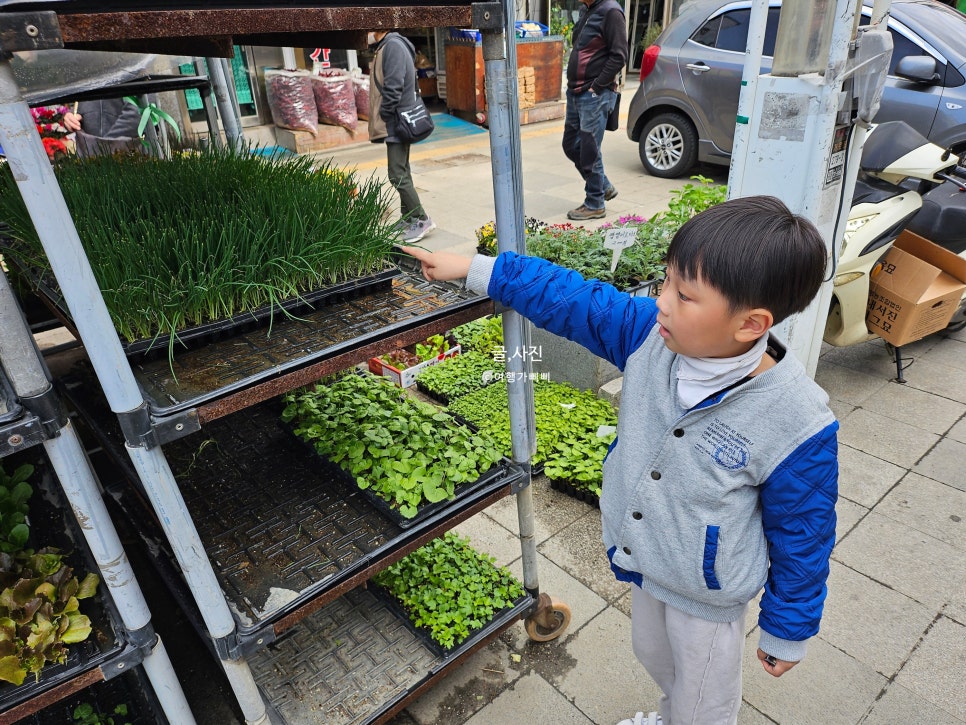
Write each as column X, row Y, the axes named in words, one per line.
column 754, row 324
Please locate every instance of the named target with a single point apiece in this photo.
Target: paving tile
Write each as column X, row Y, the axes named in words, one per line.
column 933, row 508
column 828, row 686
column 949, row 351
column 944, row 380
column 490, row 537
column 552, row 510
column 937, row 670
column 531, row 700
column 916, row 407
column 946, row 462
column 868, row 358
column 885, row 438
column 747, row 715
column 584, row 604
column 865, row 479
column 623, row 603
column 626, row 688
column 468, row 687
column 840, row 409
column 920, row 566
column 848, row 385
column 956, row 609
column 871, row 622
column 899, row 705
column 958, row 431
column 847, row 515
column 579, row 550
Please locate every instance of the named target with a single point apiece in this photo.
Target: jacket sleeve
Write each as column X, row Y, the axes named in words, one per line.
column 615, row 38
column 126, row 123
column 395, row 62
column 798, row 514
column 609, row 323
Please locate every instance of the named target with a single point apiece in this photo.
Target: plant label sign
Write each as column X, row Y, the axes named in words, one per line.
column 619, row 239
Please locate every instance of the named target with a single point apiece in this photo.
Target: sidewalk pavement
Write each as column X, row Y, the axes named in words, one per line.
column 892, row 647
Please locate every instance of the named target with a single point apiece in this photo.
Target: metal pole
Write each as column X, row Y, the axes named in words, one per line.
column 233, row 94
column 51, row 218
column 211, row 114
column 757, row 23
column 499, row 60
column 219, row 84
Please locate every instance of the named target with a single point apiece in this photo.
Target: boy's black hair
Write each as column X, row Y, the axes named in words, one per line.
column 755, row 252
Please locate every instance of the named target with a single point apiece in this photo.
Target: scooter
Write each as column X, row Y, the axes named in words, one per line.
column 905, row 182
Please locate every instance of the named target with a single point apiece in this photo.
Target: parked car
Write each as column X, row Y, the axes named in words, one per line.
column 685, row 107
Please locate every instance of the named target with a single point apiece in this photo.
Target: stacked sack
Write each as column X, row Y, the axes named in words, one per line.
column 335, row 98
column 291, row 100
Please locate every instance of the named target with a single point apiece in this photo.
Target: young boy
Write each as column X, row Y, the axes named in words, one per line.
column 724, row 475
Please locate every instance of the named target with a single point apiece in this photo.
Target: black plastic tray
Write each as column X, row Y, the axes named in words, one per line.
column 423, row 511
column 52, row 524
column 192, row 338
column 132, row 689
column 424, row 635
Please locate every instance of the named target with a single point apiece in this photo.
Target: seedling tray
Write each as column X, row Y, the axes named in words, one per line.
column 425, row 510
column 132, row 689
column 192, row 338
column 52, row 524
column 510, row 613
column 581, row 494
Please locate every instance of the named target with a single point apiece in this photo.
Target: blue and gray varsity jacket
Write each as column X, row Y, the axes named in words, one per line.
column 700, row 507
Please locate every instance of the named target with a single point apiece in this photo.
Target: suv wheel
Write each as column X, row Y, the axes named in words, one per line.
column 668, row 145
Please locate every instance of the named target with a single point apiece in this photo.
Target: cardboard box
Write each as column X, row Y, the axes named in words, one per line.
column 407, row 378
column 916, row 291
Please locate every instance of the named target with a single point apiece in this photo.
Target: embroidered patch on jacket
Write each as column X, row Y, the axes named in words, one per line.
column 726, row 446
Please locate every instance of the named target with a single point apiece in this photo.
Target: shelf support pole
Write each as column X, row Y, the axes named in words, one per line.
column 495, row 21
column 219, row 84
column 51, row 218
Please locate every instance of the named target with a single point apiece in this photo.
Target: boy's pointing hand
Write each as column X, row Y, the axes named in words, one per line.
column 442, row 266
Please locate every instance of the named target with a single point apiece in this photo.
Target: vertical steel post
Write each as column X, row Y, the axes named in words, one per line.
column 233, row 95
column 499, row 61
column 51, row 218
column 211, row 114
column 219, row 84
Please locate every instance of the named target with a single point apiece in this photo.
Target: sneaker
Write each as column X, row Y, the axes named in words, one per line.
column 610, row 193
column 582, row 212
column 417, row 229
column 640, row 718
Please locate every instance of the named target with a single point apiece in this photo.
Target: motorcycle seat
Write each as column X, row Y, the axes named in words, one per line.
column 888, row 142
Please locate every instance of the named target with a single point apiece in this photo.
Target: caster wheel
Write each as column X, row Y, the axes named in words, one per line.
column 548, row 623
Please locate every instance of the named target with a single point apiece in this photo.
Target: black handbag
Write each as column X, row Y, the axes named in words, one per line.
column 613, row 120
column 413, row 122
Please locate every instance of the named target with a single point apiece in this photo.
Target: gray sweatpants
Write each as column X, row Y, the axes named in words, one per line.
column 696, row 663
column 400, row 176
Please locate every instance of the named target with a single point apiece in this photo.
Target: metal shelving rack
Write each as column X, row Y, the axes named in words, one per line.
column 153, row 414
column 31, row 416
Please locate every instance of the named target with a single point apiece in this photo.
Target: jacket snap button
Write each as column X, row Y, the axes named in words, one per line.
column 656, row 475
column 638, row 515
column 627, row 550
column 678, row 432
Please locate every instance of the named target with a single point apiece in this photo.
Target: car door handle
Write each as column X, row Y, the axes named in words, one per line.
column 698, row 67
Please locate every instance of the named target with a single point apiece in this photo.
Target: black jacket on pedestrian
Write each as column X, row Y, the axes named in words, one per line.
column 599, row 48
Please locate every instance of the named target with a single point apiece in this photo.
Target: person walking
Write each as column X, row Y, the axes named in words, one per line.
column 394, row 76
column 598, row 57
